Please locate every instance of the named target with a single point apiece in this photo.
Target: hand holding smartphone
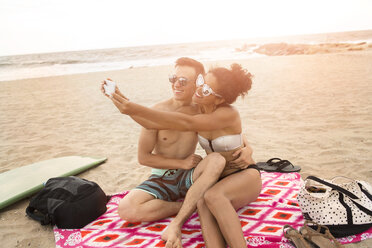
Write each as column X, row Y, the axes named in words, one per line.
column 109, row 87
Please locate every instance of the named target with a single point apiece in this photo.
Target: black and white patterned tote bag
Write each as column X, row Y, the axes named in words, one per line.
column 344, row 207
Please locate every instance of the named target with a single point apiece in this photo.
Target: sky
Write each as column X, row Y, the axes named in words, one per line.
column 38, row 26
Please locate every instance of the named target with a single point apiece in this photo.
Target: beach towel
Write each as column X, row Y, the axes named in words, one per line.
column 262, row 222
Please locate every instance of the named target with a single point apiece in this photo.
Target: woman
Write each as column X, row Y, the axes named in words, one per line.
column 219, row 129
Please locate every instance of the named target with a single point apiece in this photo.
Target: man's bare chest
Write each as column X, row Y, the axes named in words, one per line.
column 171, row 137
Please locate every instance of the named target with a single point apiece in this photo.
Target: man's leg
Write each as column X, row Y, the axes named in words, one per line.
column 205, row 175
column 138, row 206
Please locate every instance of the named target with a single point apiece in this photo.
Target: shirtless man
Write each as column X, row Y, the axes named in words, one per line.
column 171, row 155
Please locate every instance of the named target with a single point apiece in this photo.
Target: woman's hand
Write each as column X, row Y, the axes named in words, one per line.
column 244, row 159
column 103, row 89
column 121, row 102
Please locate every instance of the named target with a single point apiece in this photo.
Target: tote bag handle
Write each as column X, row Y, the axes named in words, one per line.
column 343, row 191
column 333, row 186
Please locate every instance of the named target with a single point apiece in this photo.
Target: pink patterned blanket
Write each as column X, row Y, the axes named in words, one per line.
column 262, row 222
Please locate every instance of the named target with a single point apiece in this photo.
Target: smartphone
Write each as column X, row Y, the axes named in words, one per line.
column 109, row 87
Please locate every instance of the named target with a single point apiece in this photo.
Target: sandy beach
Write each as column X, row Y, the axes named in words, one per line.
column 314, row 110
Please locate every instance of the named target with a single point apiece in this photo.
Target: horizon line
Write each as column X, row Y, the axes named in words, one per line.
column 179, row 43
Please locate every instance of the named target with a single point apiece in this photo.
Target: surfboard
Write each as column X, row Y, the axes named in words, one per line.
column 24, row 181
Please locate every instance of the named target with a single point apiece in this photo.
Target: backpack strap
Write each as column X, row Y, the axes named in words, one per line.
column 44, row 219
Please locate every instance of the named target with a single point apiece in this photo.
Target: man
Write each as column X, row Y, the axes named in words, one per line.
column 171, row 155
column 167, row 152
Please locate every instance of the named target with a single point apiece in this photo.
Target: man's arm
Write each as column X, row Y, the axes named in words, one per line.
column 146, row 145
column 245, row 156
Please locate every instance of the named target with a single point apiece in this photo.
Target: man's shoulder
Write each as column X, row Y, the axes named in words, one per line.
column 163, row 105
column 190, row 109
column 170, row 105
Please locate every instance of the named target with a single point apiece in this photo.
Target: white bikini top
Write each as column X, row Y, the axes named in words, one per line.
column 222, row 143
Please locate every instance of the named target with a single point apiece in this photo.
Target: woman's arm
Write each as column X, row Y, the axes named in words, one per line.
column 221, row 118
column 140, row 120
column 146, row 123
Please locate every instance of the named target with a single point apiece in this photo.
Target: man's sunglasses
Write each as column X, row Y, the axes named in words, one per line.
column 173, row 79
column 206, row 90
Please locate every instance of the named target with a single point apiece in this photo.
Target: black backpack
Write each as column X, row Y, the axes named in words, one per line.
column 68, row 202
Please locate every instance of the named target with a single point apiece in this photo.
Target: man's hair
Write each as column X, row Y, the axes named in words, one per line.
column 185, row 61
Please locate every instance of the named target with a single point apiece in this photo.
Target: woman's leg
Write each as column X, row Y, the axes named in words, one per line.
column 211, row 231
column 206, row 174
column 222, row 199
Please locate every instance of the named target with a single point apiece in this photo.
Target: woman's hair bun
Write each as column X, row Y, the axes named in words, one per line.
column 233, row 82
column 236, row 67
column 243, row 78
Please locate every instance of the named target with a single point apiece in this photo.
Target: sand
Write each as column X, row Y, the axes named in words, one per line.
column 275, row 49
column 314, row 110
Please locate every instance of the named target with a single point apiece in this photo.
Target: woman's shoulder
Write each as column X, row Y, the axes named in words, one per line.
column 227, row 108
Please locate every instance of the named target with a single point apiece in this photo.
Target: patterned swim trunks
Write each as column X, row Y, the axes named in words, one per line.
column 170, row 186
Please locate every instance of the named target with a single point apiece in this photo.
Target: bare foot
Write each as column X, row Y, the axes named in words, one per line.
column 173, row 237
column 164, row 235
column 174, row 242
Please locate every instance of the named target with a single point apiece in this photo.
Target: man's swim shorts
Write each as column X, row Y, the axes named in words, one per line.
column 170, row 186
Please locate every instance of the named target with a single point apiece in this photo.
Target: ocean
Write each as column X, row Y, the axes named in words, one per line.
column 62, row 63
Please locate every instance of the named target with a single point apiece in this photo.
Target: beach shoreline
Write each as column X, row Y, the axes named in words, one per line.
column 14, row 67
column 314, row 110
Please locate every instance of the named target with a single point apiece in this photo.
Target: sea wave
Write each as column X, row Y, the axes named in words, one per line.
column 61, row 63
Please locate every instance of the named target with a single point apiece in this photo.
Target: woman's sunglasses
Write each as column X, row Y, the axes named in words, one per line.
column 173, row 79
column 206, row 90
